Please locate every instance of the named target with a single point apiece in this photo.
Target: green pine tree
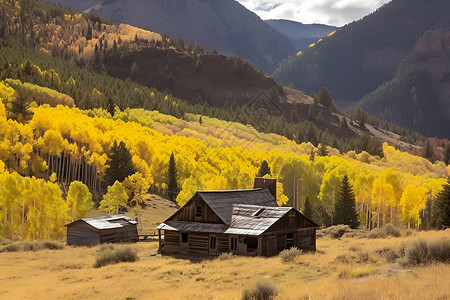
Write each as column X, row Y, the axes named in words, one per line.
column 440, row 213
column 264, row 169
column 20, row 109
column 172, row 184
column 326, row 100
column 322, row 150
column 344, row 207
column 307, row 209
column 120, row 163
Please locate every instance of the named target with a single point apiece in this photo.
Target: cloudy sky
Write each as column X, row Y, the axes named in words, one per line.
column 331, row 12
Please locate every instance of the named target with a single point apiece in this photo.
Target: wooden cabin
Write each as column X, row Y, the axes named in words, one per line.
column 100, row 230
column 243, row 222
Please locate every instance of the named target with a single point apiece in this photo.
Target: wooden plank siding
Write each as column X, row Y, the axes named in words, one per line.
column 291, row 221
column 126, row 234
column 172, row 241
column 198, row 244
column 82, row 234
column 187, row 212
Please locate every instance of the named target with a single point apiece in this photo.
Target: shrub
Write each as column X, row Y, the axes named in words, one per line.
column 262, row 290
column 416, row 252
column 10, row 248
column 31, row 246
column 391, row 256
column 363, row 256
column 387, row 230
column 439, row 250
column 52, row 245
column 109, row 255
column 288, row 255
column 376, row 233
column 391, row 230
column 226, row 256
column 336, row 231
column 4, row 241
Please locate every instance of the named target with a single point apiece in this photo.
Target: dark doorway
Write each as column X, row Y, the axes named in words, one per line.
column 251, row 242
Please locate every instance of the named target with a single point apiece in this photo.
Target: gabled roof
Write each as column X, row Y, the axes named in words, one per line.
column 245, row 220
column 221, row 202
column 107, row 222
column 255, row 219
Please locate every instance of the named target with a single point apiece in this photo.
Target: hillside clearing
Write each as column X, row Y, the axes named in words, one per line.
column 348, row 268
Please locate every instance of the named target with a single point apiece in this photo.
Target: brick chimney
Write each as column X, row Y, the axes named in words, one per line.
column 268, row 183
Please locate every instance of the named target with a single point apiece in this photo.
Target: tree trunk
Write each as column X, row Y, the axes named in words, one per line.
column 23, row 218
column 378, row 216
column 139, row 217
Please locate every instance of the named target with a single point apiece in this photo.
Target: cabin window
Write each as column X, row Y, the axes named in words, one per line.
column 289, row 240
column 212, row 242
column 184, row 237
column 233, row 244
column 198, row 211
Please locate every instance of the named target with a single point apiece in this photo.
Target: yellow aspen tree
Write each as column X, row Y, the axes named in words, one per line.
column 114, row 199
column 79, row 200
column 137, row 190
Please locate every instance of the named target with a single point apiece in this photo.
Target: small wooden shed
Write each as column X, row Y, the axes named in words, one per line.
column 100, row 230
column 244, row 222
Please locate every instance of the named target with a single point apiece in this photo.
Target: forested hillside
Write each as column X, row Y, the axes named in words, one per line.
column 224, row 25
column 417, row 97
column 35, row 61
column 362, row 55
column 68, row 133
column 66, row 144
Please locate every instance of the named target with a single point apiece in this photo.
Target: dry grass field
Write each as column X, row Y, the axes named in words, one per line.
column 349, row 268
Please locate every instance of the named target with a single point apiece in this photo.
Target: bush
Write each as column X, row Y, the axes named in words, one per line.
column 416, row 252
column 31, row 246
column 288, row 255
column 4, row 241
column 226, row 256
column 391, row 256
column 363, row 256
column 387, row 230
column 262, row 290
column 52, row 245
column 439, row 250
column 11, row 248
column 391, row 230
column 376, row 233
column 109, row 255
column 336, row 231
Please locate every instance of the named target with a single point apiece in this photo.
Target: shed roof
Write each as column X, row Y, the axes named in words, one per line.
column 107, row 222
column 245, row 220
column 222, row 202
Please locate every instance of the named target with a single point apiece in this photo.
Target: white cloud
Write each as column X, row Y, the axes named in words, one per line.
column 331, row 12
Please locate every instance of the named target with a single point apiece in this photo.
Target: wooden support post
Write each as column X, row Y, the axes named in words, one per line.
column 259, row 250
column 159, row 239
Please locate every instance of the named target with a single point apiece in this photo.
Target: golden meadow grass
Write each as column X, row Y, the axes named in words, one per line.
column 339, row 270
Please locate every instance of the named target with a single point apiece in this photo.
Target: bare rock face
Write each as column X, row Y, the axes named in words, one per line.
column 432, row 55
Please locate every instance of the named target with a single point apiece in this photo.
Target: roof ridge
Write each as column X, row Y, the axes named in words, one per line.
column 231, row 191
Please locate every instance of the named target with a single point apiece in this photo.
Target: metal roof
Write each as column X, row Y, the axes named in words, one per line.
column 244, row 221
column 222, row 202
column 107, row 222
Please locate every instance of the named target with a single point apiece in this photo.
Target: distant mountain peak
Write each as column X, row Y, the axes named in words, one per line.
column 224, row 25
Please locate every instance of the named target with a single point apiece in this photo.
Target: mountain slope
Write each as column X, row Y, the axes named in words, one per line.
column 223, row 25
column 418, row 97
column 362, row 55
column 301, row 35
